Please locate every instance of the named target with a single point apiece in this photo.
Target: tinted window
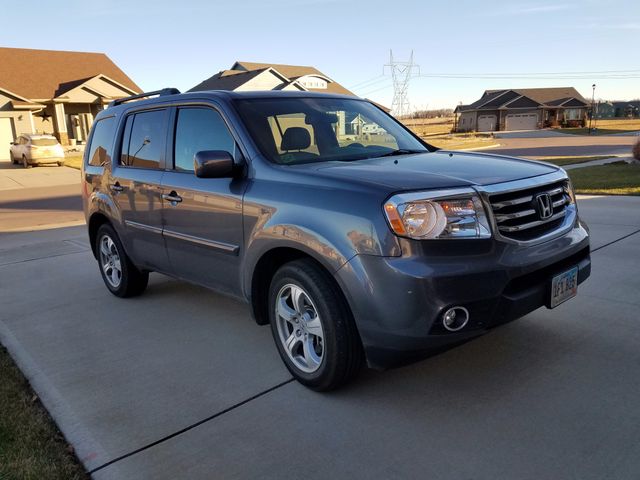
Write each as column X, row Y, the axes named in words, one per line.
column 199, row 129
column 101, row 141
column 146, row 140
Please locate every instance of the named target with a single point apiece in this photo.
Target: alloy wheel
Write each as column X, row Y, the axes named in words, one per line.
column 110, row 261
column 299, row 328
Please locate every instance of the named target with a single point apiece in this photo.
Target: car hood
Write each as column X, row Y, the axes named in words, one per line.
column 433, row 170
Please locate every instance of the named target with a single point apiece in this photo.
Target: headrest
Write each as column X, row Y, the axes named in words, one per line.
column 295, row 138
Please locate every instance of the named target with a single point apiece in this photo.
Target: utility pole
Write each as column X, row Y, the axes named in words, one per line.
column 401, row 73
column 593, row 97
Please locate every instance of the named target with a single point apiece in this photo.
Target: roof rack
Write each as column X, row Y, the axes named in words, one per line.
column 160, row 93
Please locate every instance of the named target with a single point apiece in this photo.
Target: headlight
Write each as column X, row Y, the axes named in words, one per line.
column 438, row 214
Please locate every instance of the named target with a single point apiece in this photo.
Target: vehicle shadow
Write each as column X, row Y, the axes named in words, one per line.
column 68, row 203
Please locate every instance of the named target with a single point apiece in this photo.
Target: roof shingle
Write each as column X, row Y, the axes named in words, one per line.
column 45, row 74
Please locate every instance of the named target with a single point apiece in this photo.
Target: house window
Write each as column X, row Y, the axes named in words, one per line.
column 572, row 114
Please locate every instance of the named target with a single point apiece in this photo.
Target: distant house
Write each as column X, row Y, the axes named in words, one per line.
column 246, row 76
column 604, row 110
column 46, row 91
column 627, row 109
column 523, row 109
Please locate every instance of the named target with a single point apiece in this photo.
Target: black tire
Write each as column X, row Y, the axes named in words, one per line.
column 61, row 164
column 25, row 163
column 342, row 353
column 132, row 281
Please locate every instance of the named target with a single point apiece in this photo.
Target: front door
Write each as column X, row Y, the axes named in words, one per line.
column 202, row 216
column 135, row 187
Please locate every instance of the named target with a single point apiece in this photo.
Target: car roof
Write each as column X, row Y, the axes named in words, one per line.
column 225, row 95
column 38, row 135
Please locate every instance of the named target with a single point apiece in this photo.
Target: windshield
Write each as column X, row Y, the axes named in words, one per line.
column 44, row 141
column 302, row 130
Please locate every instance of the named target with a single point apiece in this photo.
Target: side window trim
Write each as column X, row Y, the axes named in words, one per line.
column 126, row 136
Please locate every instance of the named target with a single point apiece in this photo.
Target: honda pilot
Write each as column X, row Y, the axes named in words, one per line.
column 353, row 246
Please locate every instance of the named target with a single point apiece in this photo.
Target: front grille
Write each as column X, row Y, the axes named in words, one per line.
column 519, row 215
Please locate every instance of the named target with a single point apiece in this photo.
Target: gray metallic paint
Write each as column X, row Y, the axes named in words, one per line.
column 330, row 211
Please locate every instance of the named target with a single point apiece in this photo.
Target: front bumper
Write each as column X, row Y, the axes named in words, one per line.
column 398, row 302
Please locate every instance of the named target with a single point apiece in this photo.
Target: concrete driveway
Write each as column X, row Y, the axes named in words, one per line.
column 180, row 383
column 40, row 197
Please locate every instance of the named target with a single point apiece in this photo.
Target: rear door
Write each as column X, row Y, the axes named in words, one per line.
column 203, row 229
column 135, row 186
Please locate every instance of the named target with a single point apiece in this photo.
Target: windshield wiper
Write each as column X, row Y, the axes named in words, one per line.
column 401, row 151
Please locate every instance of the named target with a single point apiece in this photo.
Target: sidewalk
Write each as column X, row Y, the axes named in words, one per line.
column 604, row 161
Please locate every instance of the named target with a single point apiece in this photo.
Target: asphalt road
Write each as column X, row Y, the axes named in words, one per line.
column 565, row 145
column 180, row 383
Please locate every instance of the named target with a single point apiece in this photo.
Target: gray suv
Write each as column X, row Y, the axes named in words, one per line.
column 354, row 239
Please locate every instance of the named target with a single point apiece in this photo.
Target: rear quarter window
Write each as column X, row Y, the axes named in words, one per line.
column 100, row 149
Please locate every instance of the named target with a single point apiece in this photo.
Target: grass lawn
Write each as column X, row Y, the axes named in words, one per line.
column 619, row 178
column 31, row 447
column 430, row 129
column 607, row 127
column 570, row 160
column 459, row 142
column 73, row 161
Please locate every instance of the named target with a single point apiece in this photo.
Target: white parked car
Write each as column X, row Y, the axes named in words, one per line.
column 32, row 149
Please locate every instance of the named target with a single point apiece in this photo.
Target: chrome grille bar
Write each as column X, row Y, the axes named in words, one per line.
column 517, row 211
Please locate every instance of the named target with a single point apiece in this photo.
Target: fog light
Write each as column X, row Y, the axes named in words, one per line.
column 455, row 318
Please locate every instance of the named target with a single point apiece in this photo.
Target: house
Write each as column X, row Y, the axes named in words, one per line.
column 57, row 92
column 627, row 109
column 246, row 76
column 523, row 109
column 604, row 110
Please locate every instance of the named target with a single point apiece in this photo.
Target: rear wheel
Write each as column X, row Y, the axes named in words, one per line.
column 313, row 327
column 13, row 160
column 120, row 275
column 25, row 162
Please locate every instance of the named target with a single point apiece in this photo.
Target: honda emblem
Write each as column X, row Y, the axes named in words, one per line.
column 544, row 206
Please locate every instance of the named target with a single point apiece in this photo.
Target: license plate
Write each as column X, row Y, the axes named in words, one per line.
column 564, row 286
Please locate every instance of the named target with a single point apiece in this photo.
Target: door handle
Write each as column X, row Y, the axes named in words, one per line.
column 172, row 197
column 116, row 187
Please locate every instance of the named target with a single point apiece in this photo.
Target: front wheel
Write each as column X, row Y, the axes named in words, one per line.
column 313, row 327
column 120, row 275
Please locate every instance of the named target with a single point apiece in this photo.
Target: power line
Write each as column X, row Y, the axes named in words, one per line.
column 376, row 90
column 542, row 73
column 371, row 80
column 521, row 77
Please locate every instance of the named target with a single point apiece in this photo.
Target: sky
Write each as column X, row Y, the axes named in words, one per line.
column 462, row 47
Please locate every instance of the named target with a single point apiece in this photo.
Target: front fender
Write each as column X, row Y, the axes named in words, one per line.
column 313, row 244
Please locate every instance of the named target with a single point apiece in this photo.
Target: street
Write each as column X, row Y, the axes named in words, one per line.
column 549, row 143
column 181, row 383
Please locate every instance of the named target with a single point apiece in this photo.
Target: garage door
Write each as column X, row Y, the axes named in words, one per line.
column 522, row 121
column 6, row 137
column 486, row 123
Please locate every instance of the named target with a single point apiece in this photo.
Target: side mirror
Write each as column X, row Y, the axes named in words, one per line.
column 213, row 164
